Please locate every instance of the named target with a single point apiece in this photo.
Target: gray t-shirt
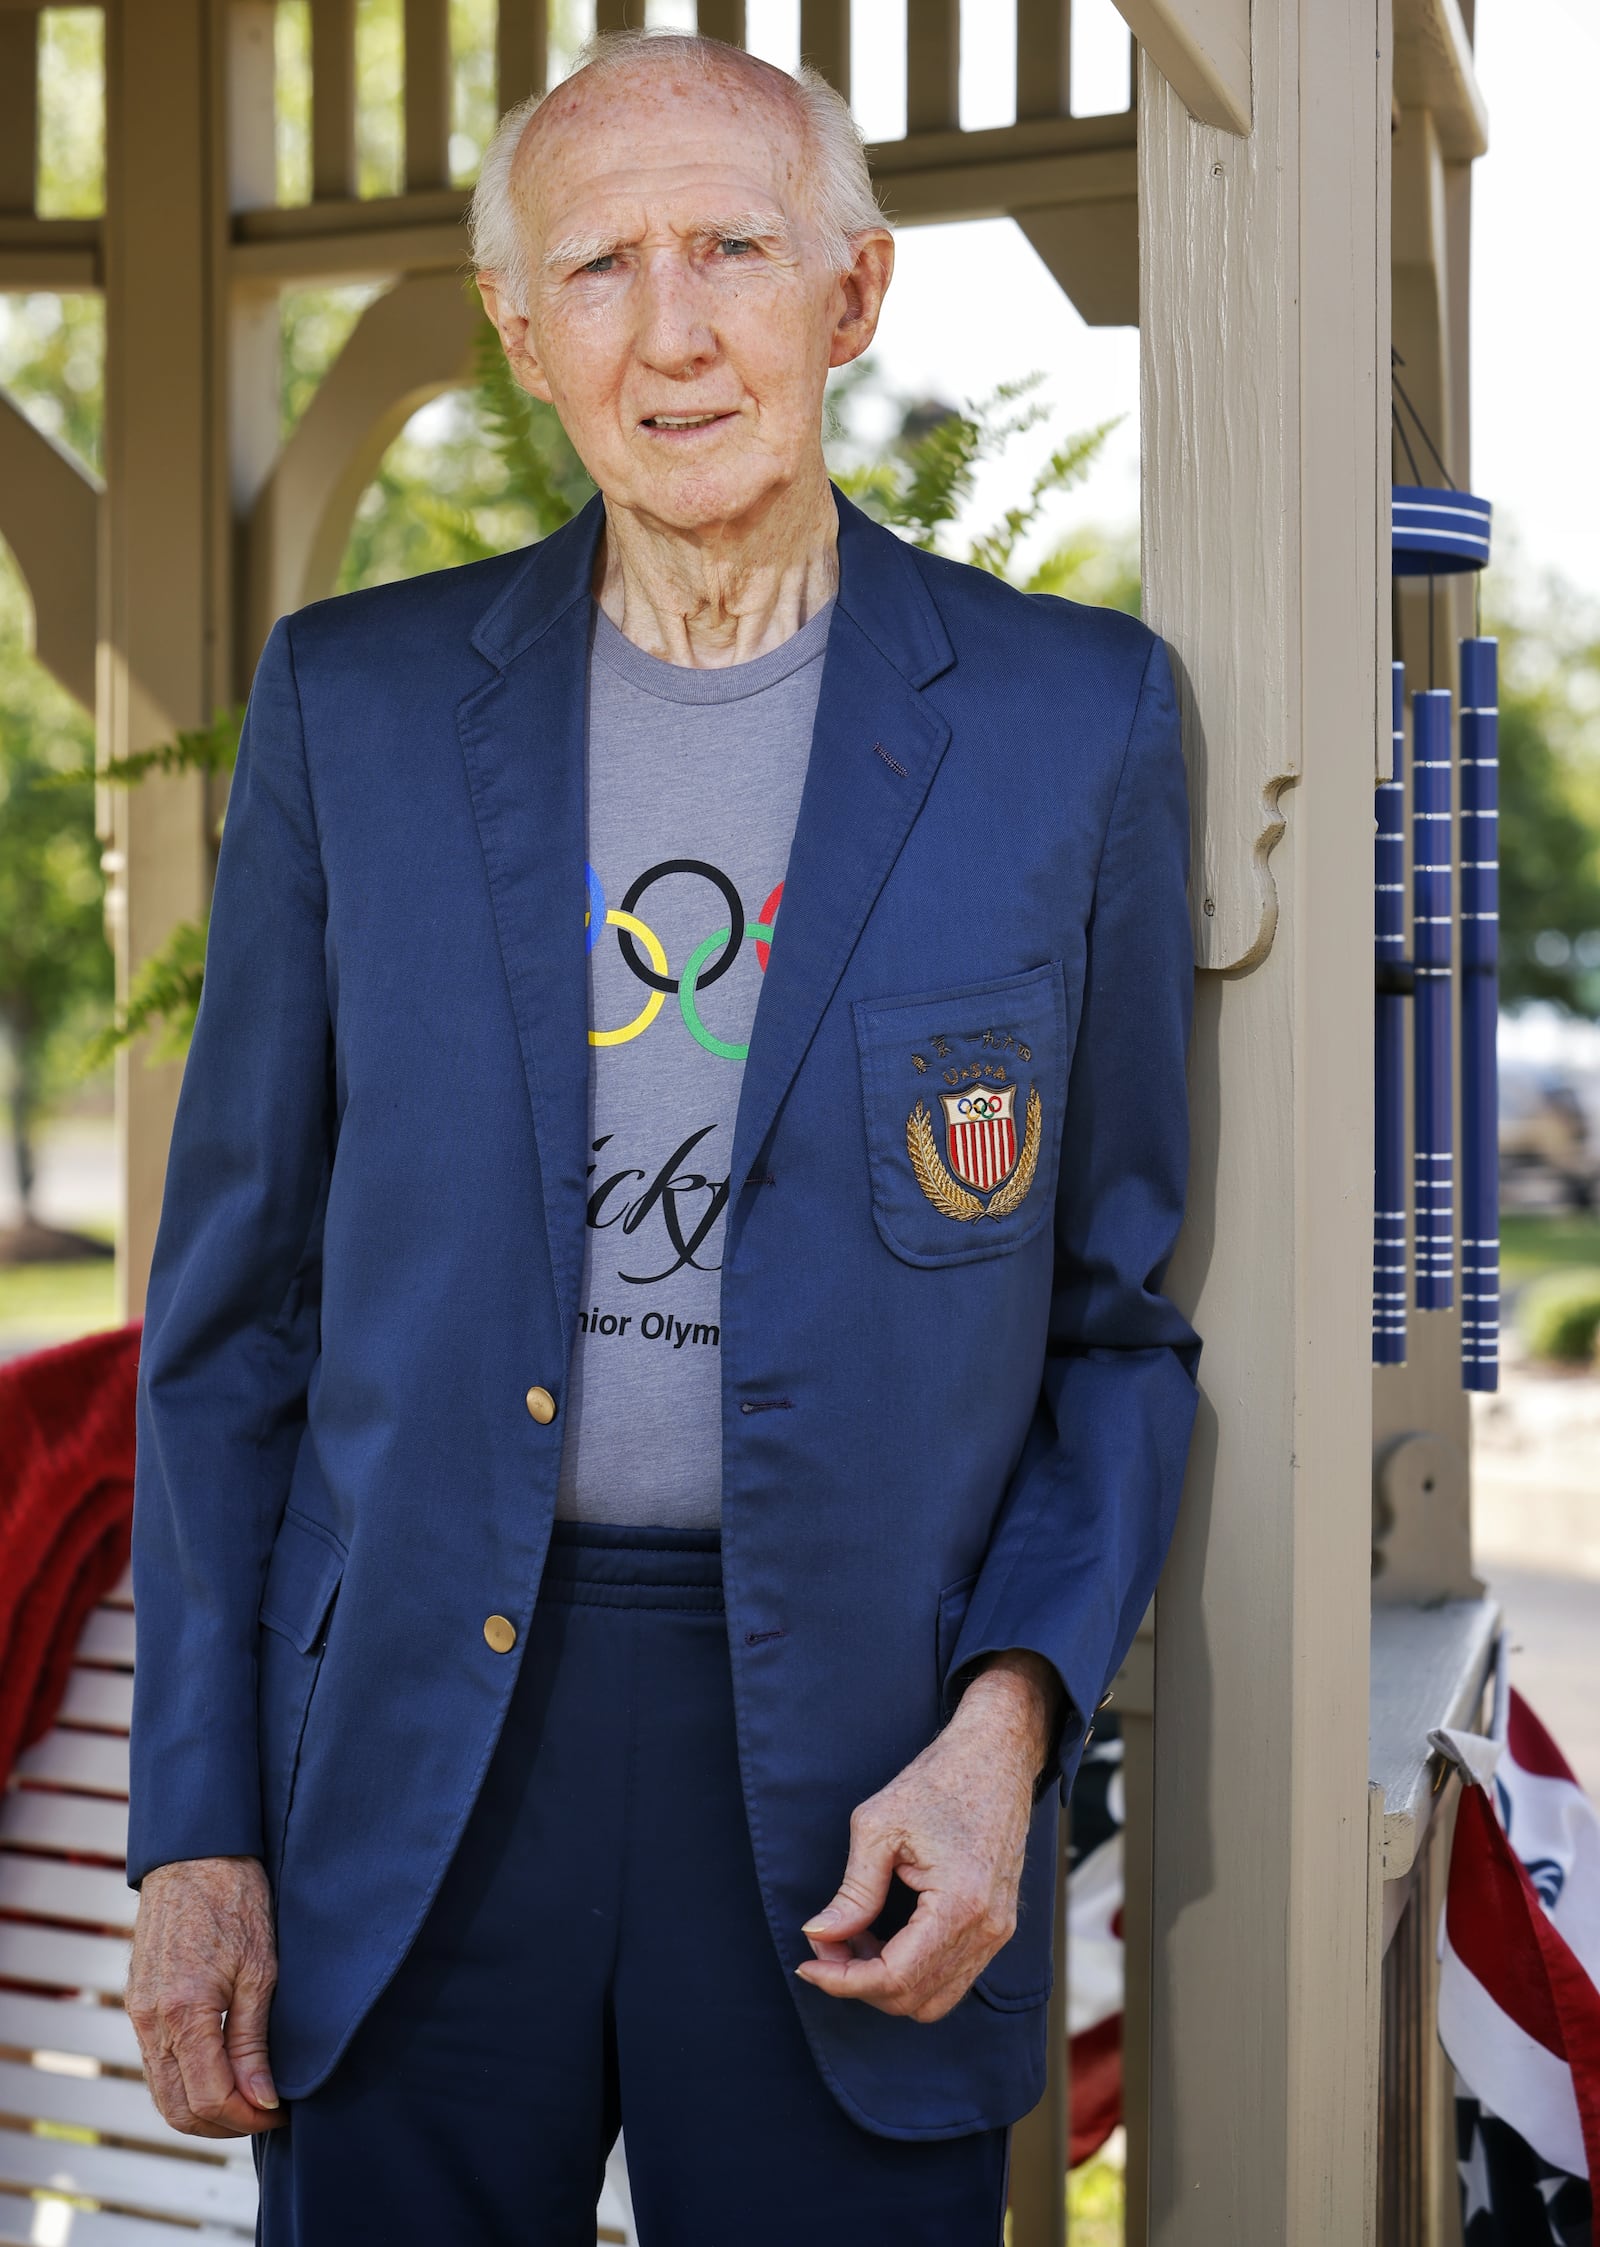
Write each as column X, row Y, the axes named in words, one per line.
column 694, row 781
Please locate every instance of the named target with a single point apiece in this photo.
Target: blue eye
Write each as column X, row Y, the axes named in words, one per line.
column 733, row 244
column 599, row 264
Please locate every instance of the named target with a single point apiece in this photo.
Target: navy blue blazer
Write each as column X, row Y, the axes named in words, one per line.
column 955, row 1411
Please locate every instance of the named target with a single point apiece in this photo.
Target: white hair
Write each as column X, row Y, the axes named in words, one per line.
column 843, row 204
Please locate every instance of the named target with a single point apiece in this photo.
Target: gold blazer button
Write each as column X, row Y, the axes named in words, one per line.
column 542, row 1405
column 500, row 1633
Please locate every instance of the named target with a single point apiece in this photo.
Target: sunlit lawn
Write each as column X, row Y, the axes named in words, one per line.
column 1531, row 1243
column 52, row 1302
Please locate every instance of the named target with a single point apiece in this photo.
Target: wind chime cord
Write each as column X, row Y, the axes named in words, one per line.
column 1421, row 425
column 1405, row 443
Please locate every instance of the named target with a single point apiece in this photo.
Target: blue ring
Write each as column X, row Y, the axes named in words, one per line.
column 597, row 907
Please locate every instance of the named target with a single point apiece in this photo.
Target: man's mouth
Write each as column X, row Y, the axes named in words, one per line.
column 686, row 421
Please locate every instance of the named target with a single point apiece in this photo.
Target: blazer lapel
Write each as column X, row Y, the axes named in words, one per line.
column 874, row 752
column 522, row 735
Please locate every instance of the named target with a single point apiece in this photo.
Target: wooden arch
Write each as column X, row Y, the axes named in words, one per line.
column 411, row 344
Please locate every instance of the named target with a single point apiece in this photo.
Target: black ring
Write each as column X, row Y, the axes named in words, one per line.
column 730, row 897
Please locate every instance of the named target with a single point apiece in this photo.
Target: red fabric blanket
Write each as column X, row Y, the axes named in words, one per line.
column 66, row 1511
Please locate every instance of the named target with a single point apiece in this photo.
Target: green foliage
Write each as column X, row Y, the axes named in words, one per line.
column 163, row 997
column 72, row 66
column 925, row 479
column 55, row 966
column 52, row 362
column 1549, row 792
column 491, row 470
column 1558, row 1316
column 211, row 748
column 314, row 325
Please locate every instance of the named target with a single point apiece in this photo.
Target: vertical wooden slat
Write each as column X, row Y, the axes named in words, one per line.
column 165, row 600
column 521, row 50
column 19, row 111
column 825, row 40
column 333, row 99
column 722, row 19
column 1039, row 2144
column 1044, row 58
column 618, row 15
column 933, row 66
column 427, row 93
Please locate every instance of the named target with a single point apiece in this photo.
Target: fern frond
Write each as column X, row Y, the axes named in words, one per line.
column 163, row 997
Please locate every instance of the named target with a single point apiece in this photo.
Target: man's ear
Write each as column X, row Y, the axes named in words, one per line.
column 516, row 338
column 862, row 291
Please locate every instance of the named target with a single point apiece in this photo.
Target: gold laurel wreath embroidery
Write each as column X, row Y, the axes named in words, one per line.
column 942, row 1190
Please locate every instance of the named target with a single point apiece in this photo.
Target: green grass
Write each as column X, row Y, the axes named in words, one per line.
column 52, row 1302
column 1531, row 1244
column 1094, row 2205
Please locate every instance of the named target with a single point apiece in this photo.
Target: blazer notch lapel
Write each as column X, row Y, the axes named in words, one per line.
column 876, row 747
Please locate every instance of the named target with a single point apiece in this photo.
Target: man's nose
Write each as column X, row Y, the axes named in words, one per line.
column 676, row 333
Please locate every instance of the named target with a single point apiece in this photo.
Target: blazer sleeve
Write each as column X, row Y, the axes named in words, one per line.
column 1086, row 1520
column 231, row 1321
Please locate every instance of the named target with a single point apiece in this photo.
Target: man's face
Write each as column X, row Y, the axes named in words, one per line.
column 681, row 315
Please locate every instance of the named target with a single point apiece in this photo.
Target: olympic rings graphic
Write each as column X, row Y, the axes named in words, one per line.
column 700, row 970
column 652, row 1005
column 730, row 897
column 690, row 982
column 979, row 1105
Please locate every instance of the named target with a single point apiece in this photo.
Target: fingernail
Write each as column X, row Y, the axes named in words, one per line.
column 264, row 2095
column 822, row 1922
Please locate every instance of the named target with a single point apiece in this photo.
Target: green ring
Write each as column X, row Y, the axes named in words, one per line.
column 761, row 931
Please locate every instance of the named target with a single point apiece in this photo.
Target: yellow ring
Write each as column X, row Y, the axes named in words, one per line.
column 658, row 960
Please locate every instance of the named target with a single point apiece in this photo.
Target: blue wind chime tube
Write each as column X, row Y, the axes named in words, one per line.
column 1480, row 1010
column 1433, row 1138
column 1389, row 1052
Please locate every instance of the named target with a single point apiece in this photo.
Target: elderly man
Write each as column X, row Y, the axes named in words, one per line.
column 658, row 1419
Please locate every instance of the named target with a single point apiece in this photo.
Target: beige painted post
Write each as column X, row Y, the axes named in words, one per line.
column 19, row 112
column 167, row 538
column 825, row 39
column 1262, row 341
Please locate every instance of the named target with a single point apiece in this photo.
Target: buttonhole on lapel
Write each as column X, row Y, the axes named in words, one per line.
column 760, row 1638
column 767, row 1404
column 893, row 763
column 761, row 1178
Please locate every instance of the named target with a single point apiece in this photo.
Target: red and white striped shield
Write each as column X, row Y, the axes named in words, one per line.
column 981, row 1134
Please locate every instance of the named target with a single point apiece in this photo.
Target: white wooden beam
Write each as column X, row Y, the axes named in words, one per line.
column 1434, row 70
column 1202, row 49
column 49, row 517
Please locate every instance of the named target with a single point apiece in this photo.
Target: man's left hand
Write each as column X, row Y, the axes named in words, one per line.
column 954, row 1826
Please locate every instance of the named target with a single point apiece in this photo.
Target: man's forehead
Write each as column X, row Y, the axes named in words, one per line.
column 656, row 141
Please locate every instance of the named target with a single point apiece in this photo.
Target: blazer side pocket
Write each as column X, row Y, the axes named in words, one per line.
column 302, row 1584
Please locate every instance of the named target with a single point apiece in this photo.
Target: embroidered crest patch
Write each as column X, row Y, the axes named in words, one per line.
column 981, row 1143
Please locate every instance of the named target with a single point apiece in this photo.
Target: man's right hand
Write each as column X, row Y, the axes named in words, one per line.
column 201, row 1980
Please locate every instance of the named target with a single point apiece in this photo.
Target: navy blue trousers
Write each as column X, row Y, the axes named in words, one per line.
column 597, row 1957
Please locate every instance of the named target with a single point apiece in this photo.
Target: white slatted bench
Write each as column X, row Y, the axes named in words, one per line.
column 85, row 2159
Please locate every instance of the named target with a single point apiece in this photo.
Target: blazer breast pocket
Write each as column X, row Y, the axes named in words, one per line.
column 964, row 1091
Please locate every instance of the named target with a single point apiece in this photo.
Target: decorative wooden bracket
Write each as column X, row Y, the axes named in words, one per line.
column 50, row 517
column 1202, row 49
